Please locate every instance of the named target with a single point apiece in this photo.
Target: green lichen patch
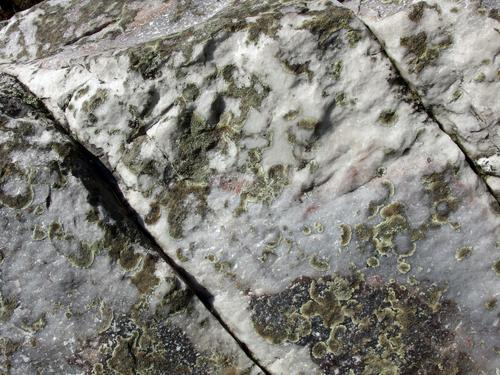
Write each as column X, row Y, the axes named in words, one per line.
column 388, row 231
column 178, row 299
column 389, row 328
column 372, row 262
column 267, row 24
column 308, row 123
column 94, row 102
column 299, row 69
column 11, row 173
column 267, row 185
column 345, row 235
column 250, row 96
column 490, row 304
column 153, row 345
column 403, row 267
column 480, row 77
column 416, row 11
column 422, row 51
column 145, row 280
column 318, row 263
column 336, row 70
column 38, row 233
column 55, row 231
column 291, row 115
column 84, row 258
column 35, row 326
column 179, row 254
column 7, row 307
column 325, row 24
column 387, row 117
column 147, row 60
column 463, row 253
column 224, row 267
column 496, row 267
column 8, row 348
column 190, row 169
column 442, row 200
column 494, row 14
column 394, row 223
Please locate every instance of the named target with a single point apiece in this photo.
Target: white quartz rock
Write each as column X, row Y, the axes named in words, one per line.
column 448, row 51
column 81, row 289
column 276, row 154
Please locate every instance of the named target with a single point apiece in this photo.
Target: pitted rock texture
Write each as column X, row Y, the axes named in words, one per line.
column 277, row 154
column 448, row 51
column 82, row 291
column 86, row 26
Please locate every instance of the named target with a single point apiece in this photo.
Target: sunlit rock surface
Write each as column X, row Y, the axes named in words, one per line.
column 277, row 155
column 448, row 50
column 82, row 291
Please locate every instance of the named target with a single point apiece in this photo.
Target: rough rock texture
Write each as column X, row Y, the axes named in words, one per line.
column 9, row 7
column 277, row 154
column 82, row 290
column 76, row 26
column 449, row 53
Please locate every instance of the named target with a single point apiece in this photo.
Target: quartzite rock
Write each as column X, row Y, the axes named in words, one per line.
column 448, row 51
column 82, row 291
column 275, row 152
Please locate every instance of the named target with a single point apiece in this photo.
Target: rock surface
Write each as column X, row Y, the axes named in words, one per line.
column 82, row 290
column 280, row 157
column 449, row 53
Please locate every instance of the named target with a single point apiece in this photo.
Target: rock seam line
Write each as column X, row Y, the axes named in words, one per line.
column 105, row 175
column 431, row 115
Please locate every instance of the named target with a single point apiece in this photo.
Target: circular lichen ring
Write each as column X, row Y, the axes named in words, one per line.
column 8, row 173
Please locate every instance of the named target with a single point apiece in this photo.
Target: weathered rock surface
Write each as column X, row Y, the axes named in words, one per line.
column 82, row 290
column 280, row 158
column 449, row 53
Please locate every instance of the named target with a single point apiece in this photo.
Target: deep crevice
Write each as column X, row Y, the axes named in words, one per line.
column 430, row 113
column 94, row 172
column 89, row 33
column 8, row 8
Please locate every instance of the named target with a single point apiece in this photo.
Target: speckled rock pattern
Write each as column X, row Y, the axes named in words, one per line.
column 448, row 50
column 277, row 154
column 82, row 291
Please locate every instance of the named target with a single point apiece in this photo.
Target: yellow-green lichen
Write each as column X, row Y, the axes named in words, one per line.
column 336, row 69
column 145, row 280
column 7, row 307
column 387, row 117
column 345, row 235
column 179, row 253
column 38, row 233
column 94, row 102
column 35, row 326
column 380, row 324
column 463, row 253
column 327, row 23
column 422, row 51
column 404, row 267
column 319, row 263
column 10, row 173
column 308, row 123
column 490, row 304
column 496, row 267
column 319, row 227
column 372, row 262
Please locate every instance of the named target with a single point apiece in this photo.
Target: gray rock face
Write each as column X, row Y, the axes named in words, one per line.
column 300, row 168
column 449, row 52
column 82, row 290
